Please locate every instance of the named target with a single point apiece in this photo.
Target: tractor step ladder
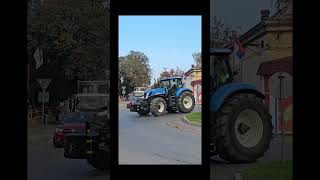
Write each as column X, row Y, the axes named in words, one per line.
column 172, row 102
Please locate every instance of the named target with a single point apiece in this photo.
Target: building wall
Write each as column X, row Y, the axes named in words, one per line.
column 277, row 45
column 197, row 90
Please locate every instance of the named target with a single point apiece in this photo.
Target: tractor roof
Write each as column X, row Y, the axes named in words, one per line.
column 220, row 51
column 169, row 78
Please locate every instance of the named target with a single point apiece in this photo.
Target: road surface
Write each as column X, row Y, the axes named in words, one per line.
column 149, row 140
column 47, row 163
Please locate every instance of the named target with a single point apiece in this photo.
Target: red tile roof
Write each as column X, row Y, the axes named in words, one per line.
column 278, row 65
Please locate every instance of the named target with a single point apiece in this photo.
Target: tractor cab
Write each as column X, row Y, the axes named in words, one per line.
column 171, row 84
column 220, row 69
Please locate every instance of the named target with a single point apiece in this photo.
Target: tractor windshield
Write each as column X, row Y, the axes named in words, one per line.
column 165, row 83
column 168, row 83
column 219, row 71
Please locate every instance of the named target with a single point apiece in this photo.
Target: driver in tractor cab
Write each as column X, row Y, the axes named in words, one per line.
column 173, row 88
column 220, row 74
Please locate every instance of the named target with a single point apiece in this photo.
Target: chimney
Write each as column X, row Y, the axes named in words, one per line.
column 192, row 66
column 264, row 14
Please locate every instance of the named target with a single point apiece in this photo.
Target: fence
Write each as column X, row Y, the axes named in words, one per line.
column 51, row 115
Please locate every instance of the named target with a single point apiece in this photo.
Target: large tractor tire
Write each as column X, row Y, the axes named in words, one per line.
column 243, row 129
column 158, row 106
column 142, row 112
column 186, row 102
column 100, row 160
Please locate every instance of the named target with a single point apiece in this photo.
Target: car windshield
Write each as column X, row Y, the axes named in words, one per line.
column 74, row 118
column 138, row 94
column 91, row 102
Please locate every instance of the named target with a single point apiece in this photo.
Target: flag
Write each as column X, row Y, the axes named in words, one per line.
column 38, row 56
column 238, row 48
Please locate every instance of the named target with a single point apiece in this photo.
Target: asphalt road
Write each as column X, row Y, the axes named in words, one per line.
column 47, row 163
column 149, row 140
column 221, row 170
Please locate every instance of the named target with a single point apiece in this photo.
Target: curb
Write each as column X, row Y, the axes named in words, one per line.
column 237, row 176
column 184, row 119
column 182, row 129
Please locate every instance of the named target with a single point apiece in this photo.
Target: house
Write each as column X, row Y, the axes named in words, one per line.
column 192, row 80
column 268, row 56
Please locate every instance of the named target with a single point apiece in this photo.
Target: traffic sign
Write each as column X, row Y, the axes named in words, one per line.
column 44, row 83
column 46, row 97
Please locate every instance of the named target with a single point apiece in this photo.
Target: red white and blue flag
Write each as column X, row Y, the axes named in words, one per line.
column 238, row 48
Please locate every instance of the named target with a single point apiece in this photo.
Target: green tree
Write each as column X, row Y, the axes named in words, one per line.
column 197, row 58
column 220, row 33
column 171, row 73
column 135, row 69
column 75, row 36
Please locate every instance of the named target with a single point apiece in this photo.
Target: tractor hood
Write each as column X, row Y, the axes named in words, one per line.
column 153, row 92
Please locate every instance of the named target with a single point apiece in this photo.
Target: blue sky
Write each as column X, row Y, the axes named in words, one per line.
column 168, row 41
column 244, row 13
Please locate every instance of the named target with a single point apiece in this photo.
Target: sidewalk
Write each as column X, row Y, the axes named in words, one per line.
column 122, row 103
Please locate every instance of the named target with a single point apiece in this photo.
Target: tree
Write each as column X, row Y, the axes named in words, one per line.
column 135, row 69
column 76, row 37
column 171, row 73
column 220, row 33
column 197, row 58
column 279, row 3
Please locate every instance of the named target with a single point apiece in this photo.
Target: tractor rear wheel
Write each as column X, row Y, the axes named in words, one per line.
column 158, row 106
column 243, row 129
column 186, row 102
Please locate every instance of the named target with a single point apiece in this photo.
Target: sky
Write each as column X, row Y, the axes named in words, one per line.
column 168, row 41
column 240, row 13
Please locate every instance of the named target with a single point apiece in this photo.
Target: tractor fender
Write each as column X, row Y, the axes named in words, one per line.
column 150, row 98
column 228, row 90
column 180, row 90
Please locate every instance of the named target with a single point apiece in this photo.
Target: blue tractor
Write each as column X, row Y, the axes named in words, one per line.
column 171, row 96
column 241, row 128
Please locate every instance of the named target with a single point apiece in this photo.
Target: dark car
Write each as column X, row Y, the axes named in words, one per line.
column 70, row 123
column 136, row 95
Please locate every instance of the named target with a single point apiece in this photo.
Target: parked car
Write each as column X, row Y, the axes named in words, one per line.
column 135, row 96
column 70, row 123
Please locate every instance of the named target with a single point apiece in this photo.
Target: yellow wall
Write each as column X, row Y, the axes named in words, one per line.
column 197, row 75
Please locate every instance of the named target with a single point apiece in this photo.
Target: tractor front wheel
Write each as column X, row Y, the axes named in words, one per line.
column 243, row 129
column 158, row 106
column 143, row 112
column 186, row 102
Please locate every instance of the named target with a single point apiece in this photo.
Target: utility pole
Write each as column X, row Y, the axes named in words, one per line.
column 281, row 77
column 44, row 83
